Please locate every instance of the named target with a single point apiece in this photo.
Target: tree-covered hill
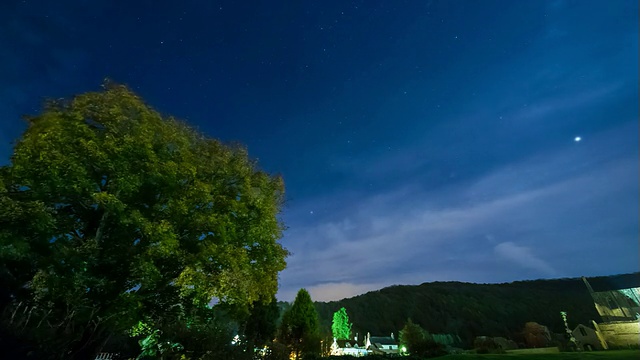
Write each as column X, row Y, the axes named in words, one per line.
column 467, row 309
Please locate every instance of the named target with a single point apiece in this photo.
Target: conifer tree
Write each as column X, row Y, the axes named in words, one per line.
column 300, row 326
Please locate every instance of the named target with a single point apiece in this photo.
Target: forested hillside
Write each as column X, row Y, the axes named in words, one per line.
column 467, row 309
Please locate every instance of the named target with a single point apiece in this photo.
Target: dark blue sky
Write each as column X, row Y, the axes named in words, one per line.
column 419, row 140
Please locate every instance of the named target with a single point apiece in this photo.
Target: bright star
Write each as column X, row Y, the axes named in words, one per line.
column 577, row 138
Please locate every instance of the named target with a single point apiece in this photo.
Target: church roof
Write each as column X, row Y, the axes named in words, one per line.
column 383, row 340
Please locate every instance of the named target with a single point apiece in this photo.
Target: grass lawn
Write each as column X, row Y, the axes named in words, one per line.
column 592, row 355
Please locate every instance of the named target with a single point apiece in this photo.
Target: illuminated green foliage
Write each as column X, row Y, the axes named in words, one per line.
column 150, row 343
column 340, row 327
column 111, row 213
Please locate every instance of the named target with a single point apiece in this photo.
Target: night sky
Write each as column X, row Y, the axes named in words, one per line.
column 481, row 141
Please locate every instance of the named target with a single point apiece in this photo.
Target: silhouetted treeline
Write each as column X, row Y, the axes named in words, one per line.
column 467, row 309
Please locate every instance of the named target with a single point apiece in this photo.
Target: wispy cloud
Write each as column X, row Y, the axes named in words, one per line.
column 525, row 257
column 531, row 213
column 556, row 105
column 333, row 291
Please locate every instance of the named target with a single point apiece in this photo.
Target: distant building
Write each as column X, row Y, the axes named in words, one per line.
column 348, row 347
column 587, row 338
column 382, row 344
column 370, row 345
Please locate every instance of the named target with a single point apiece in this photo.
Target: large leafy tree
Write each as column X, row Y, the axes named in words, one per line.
column 341, row 327
column 111, row 214
column 300, row 326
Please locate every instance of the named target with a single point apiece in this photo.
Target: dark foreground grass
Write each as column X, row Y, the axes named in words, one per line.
column 591, row 355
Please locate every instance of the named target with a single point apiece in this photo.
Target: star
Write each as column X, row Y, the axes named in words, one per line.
column 577, row 139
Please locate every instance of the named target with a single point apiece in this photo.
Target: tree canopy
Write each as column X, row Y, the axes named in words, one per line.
column 417, row 341
column 341, row 327
column 300, row 326
column 467, row 310
column 261, row 324
column 111, row 214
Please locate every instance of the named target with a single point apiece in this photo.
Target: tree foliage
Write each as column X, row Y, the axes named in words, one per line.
column 536, row 335
column 341, row 327
column 412, row 337
column 111, row 214
column 261, row 324
column 418, row 341
column 469, row 310
column 300, row 327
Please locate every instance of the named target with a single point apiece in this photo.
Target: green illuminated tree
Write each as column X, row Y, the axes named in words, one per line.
column 111, row 214
column 340, row 327
column 300, row 326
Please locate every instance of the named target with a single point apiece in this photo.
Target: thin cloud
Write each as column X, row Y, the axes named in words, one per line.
column 333, row 291
column 524, row 257
column 532, row 213
column 541, row 110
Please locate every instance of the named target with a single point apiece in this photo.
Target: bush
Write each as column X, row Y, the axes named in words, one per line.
column 486, row 345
